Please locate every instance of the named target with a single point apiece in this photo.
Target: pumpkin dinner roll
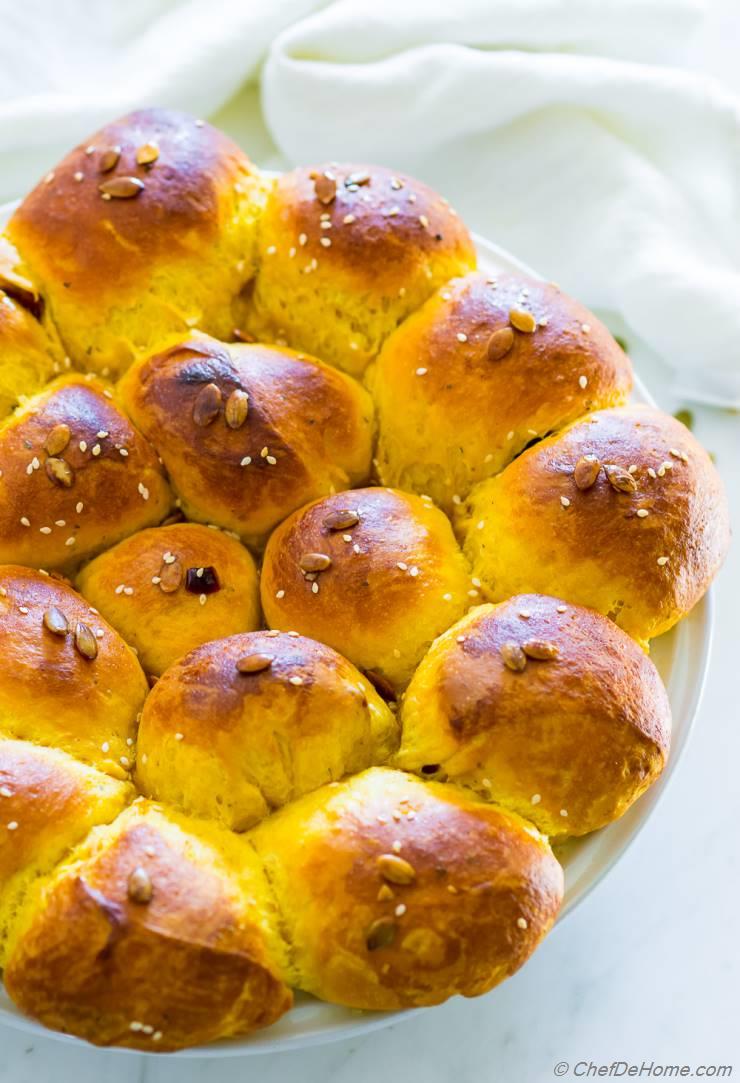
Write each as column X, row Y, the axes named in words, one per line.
column 623, row 512
column 397, row 893
column 75, row 476
column 546, row 708
column 375, row 573
column 346, row 253
column 30, row 353
column 246, row 724
column 71, row 682
column 171, row 588
column 249, row 433
column 48, row 803
column 156, row 933
column 483, row 368
column 144, row 230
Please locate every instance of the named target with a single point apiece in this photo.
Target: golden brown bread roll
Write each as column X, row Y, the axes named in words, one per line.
column 30, row 353
column 146, row 229
column 249, row 723
column 158, row 932
column 71, row 681
column 171, row 588
column 48, row 803
column 75, row 476
column 397, row 893
column 346, row 253
column 375, row 573
column 248, row 433
column 478, row 372
column 623, row 512
column 546, row 708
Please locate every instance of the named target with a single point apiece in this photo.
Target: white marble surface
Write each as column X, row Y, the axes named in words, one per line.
column 648, row 969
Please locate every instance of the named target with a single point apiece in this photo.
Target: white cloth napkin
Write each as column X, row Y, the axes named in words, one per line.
column 564, row 130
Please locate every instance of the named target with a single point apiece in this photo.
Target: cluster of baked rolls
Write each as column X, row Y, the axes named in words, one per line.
column 329, row 564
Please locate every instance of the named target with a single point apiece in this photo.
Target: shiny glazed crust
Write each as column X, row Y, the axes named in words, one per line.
column 335, row 278
column 120, row 275
column 525, row 384
column 108, row 484
column 532, row 529
column 570, row 740
column 233, row 744
column 481, row 888
column 308, row 430
column 155, row 588
column 399, row 558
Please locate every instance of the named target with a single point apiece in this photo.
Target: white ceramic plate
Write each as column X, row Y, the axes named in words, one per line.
column 681, row 656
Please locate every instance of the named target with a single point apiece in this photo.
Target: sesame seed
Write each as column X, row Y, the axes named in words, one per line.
column 279, row 593
column 564, row 812
column 402, row 565
column 522, row 923
column 246, row 460
column 662, row 561
column 565, row 501
column 400, row 910
column 45, row 530
column 202, row 598
column 524, row 614
column 461, row 336
column 23, row 608
column 25, row 521
column 347, row 537
column 5, row 791
column 396, row 846
column 421, row 372
column 651, row 472
column 583, row 381
column 13, row 825
column 632, row 469
column 105, row 747
column 348, row 219
column 123, row 452
column 642, row 513
column 314, row 588
column 60, row 522
column 446, row 597
column 510, row 435
column 585, row 327
column 124, row 761
column 302, row 239
column 271, row 250
column 424, row 221
column 413, row 572
column 271, row 460
column 562, row 609
column 460, row 639
column 82, row 445
column 295, row 680
column 96, row 450
column 535, row 798
column 179, row 736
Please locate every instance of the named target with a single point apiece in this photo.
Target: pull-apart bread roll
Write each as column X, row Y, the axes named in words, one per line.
column 346, row 253
column 547, row 708
column 156, row 933
column 248, row 433
column 73, row 682
column 249, row 723
column 75, row 476
column 483, row 368
column 397, row 893
column 48, row 803
column 171, row 588
column 376, row 573
column 623, row 512
column 30, row 353
column 144, row 230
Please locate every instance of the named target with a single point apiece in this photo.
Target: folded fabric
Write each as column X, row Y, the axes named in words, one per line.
column 559, row 128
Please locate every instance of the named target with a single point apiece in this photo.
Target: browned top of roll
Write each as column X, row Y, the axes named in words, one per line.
column 65, row 227
column 70, row 680
column 596, row 545
column 76, row 476
column 154, row 937
column 399, row 893
column 300, row 430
